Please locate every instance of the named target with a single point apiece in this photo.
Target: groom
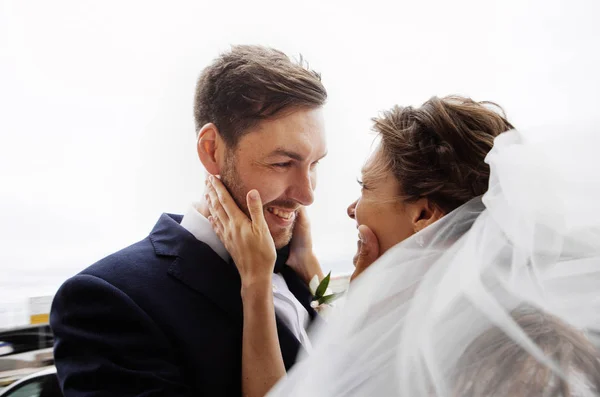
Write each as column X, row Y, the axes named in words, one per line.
column 163, row 317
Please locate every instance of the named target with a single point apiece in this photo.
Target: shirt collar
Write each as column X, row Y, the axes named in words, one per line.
column 195, row 223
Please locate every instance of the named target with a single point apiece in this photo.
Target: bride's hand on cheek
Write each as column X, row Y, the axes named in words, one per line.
column 248, row 241
column 302, row 258
column 368, row 251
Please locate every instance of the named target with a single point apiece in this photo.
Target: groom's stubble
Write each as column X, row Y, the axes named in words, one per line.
column 238, row 190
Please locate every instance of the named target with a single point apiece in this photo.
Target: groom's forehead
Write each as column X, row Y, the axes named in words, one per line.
column 267, row 144
column 293, row 145
column 291, row 127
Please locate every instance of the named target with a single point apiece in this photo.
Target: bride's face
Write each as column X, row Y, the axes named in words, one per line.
column 379, row 206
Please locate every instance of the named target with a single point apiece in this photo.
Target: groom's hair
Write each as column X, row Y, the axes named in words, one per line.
column 437, row 151
column 251, row 83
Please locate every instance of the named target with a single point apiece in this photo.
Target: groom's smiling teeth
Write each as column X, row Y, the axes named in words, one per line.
column 280, row 213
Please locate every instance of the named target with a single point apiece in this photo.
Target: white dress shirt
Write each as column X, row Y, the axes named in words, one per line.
column 287, row 307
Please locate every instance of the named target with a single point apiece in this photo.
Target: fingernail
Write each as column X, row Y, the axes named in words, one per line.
column 254, row 195
column 362, row 237
column 211, row 178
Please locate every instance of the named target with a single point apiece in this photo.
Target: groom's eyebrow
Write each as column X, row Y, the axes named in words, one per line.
column 291, row 154
column 287, row 153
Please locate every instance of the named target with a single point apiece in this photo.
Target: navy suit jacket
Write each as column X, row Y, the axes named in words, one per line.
column 162, row 317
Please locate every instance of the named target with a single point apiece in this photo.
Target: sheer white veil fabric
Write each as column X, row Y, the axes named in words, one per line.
column 533, row 240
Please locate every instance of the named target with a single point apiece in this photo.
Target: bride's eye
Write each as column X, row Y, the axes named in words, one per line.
column 362, row 184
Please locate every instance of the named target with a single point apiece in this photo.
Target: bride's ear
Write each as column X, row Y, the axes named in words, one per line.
column 424, row 213
column 207, row 146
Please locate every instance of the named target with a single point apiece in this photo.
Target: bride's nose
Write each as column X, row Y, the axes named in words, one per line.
column 352, row 209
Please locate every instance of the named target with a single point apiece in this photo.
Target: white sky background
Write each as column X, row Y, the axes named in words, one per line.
column 96, row 126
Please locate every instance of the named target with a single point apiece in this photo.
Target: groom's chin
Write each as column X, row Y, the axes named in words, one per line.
column 280, row 231
column 282, row 237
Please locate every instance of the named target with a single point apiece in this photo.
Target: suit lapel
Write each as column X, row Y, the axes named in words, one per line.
column 197, row 266
column 295, row 284
column 288, row 344
column 299, row 289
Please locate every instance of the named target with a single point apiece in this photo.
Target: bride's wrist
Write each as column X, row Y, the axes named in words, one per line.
column 257, row 288
column 312, row 268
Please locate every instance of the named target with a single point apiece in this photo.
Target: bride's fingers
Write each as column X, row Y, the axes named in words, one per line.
column 302, row 218
column 215, row 207
column 368, row 251
column 255, row 208
column 224, row 198
column 301, row 235
column 219, row 229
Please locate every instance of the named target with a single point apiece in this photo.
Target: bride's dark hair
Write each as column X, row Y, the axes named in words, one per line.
column 437, row 150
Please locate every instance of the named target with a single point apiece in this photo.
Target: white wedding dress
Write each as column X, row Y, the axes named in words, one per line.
column 533, row 240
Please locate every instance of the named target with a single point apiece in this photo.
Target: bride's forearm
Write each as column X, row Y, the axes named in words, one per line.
column 262, row 363
column 307, row 267
column 314, row 268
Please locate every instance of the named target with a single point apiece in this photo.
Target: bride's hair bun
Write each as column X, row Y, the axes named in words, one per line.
column 438, row 150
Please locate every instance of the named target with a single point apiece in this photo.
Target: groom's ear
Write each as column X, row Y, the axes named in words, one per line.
column 208, row 145
column 424, row 212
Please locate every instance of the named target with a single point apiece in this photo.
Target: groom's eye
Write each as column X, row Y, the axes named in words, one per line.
column 287, row 164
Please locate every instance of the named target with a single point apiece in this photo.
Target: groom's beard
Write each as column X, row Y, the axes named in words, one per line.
column 237, row 189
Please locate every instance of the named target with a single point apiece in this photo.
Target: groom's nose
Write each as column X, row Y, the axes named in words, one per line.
column 302, row 189
column 352, row 210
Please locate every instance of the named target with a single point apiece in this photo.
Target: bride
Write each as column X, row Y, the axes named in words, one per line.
column 470, row 295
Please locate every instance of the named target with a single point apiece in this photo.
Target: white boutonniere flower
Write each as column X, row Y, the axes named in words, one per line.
column 323, row 296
